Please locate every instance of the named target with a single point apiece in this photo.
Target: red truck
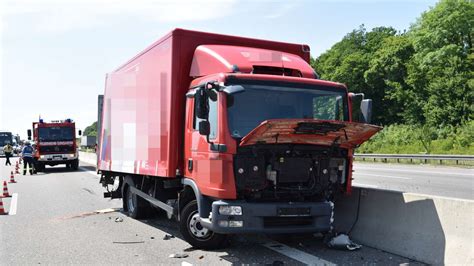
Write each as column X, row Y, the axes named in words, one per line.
column 55, row 143
column 228, row 135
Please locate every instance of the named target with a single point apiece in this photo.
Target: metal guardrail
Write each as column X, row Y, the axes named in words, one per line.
column 411, row 157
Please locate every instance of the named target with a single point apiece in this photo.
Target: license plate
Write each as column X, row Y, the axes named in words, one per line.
column 57, row 157
column 294, row 211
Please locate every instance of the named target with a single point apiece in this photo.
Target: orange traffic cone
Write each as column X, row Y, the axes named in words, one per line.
column 2, row 210
column 5, row 191
column 12, row 178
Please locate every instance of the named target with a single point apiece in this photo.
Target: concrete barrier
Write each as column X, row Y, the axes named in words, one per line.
column 430, row 229
column 88, row 157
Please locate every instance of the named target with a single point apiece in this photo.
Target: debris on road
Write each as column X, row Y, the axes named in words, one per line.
column 179, row 255
column 168, row 237
column 343, row 242
column 201, row 257
column 86, row 214
column 128, row 242
column 118, row 219
column 109, row 210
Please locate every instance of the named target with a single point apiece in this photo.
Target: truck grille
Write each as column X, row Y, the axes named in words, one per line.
column 56, row 149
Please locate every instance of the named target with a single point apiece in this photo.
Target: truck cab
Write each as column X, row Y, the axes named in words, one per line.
column 55, row 143
column 267, row 139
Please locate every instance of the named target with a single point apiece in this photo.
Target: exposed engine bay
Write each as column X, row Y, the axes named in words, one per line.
column 290, row 172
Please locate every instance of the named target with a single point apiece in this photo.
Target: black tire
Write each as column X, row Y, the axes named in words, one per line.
column 39, row 167
column 75, row 164
column 133, row 205
column 209, row 240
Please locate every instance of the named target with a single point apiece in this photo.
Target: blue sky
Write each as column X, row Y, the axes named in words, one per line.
column 54, row 54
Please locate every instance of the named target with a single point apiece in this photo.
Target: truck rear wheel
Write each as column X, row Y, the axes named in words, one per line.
column 194, row 233
column 133, row 205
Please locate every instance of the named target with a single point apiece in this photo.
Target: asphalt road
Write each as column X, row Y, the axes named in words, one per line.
column 454, row 182
column 62, row 218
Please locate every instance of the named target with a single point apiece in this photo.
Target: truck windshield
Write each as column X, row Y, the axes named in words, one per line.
column 257, row 103
column 5, row 137
column 55, row 133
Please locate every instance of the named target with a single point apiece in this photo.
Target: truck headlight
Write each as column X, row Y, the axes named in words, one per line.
column 230, row 210
column 71, row 155
column 41, row 156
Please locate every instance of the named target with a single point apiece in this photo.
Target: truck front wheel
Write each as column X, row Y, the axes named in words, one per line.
column 194, row 233
column 75, row 164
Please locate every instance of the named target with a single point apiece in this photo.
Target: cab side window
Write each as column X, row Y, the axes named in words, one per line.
column 212, row 117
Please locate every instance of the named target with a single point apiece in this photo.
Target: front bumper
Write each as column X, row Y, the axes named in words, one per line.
column 290, row 217
column 57, row 157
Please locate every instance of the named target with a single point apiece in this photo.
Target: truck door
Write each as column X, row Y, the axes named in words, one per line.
column 206, row 165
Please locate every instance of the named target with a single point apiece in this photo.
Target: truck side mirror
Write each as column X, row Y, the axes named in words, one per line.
column 361, row 108
column 366, row 110
column 204, row 128
column 80, row 132
column 201, row 103
column 29, row 134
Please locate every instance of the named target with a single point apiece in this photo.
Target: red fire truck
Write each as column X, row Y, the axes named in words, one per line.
column 55, row 143
column 229, row 135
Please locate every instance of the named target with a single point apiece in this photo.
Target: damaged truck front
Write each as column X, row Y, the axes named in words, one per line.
column 229, row 135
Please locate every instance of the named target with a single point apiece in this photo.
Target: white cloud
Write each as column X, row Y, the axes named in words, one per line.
column 54, row 15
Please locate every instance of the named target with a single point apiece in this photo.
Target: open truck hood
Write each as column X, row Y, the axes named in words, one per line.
column 310, row 131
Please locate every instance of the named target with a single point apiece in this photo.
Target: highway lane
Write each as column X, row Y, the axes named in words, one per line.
column 455, row 182
column 56, row 223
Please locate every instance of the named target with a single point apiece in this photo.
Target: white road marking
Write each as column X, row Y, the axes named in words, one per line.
column 410, row 171
column 13, row 204
column 185, row 263
column 383, row 175
column 296, row 254
column 363, row 185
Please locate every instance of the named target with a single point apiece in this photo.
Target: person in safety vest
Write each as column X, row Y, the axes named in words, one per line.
column 8, row 150
column 27, row 155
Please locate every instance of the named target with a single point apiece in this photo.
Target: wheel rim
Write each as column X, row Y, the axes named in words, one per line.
column 196, row 229
column 130, row 201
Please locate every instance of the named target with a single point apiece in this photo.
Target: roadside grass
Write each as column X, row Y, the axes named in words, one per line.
column 415, row 139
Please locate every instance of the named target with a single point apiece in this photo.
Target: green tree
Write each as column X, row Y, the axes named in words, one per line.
column 387, row 72
column 442, row 68
column 348, row 60
column 91, row 130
